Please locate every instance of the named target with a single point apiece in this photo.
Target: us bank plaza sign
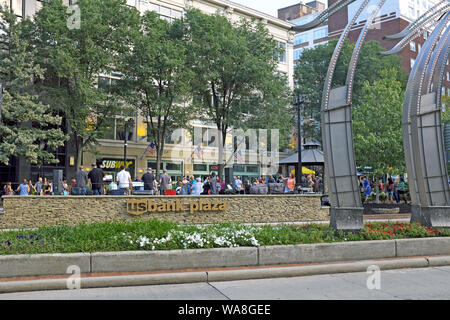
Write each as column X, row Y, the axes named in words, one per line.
column 139, row 207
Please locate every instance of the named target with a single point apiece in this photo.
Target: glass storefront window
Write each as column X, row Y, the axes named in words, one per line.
column 171, row 166
column 152, row 164
column 200, row 167
column 253, row 169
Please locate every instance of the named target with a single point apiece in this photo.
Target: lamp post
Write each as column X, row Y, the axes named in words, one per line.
column 128, row 124
column 299, row 100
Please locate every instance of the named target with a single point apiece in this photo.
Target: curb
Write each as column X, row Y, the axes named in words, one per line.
column 223, row 275
column 146, row 261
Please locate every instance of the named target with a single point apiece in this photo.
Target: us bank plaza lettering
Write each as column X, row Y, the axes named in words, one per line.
column 138, row 207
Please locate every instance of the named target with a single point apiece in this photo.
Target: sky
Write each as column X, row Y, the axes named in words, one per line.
column 267, row 6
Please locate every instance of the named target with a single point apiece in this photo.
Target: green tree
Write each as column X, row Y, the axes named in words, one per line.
column 233, row 66
column 28, row 128
column 156, row 78
column 312, row 68
column 377, row 125
column 74, row 56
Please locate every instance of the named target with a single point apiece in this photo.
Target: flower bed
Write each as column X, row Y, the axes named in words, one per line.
column 159, row 235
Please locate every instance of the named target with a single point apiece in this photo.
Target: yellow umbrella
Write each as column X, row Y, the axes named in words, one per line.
column 305, row 170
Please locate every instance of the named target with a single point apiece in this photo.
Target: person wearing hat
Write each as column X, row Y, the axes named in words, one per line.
column 149, row 181
column 96, row 176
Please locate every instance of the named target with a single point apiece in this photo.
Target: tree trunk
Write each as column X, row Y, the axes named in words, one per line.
column 220, row 148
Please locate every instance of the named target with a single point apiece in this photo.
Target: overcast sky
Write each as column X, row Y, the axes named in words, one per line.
column 267, row 6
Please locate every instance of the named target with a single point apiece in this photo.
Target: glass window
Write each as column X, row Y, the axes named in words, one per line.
column 321, row 33
column 282, row 55
column 171, row 166
column 154, row 7
column 412, row 46
column 17, row 7
column 177, row 14
column 200, row 167
column 104, row 83
column 173, row 138
column 253, row 169
column 165, row 11
column 108, row 131
column 152, row 165
column 238, row 168
column 300, row 38
column 412, row 62
column 298, row 53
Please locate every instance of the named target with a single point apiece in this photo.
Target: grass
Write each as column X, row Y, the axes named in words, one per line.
column 160, row 235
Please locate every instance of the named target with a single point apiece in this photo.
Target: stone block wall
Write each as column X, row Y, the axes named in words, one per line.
column 37, row 211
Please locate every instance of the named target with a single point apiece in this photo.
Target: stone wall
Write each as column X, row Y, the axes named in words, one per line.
column 36, row 211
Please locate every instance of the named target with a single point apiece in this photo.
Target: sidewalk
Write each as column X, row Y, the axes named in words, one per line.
column 121, row 279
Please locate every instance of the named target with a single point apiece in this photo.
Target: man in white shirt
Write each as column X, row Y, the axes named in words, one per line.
column 124, row 180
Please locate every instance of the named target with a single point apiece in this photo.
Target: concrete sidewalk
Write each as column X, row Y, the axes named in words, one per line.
column 122, row 279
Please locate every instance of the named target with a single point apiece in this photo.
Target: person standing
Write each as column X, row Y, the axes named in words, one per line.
column 82, row 180
column 164, row 181
column 96, row 176
column 390, row 190
column 366, row 188
column 32, row 189
column 290, row 184
column 237, row 184
column 213, row 183
column 149, row 180
column 197, row 187
column 8, row 189
column 402, row 190
column 39, row 187
column 23, row 189
column 124, row 180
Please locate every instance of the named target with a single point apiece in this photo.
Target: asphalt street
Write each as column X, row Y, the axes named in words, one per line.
column 402, row 284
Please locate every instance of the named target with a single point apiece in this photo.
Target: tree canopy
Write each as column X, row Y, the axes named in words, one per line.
column 28, row 127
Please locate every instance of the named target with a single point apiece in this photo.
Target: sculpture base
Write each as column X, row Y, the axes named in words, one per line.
column 415, row 214
column 347, row 219
column 435, row 217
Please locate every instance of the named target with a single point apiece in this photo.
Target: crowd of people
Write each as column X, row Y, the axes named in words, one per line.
column 94, row 180
column 396, row 189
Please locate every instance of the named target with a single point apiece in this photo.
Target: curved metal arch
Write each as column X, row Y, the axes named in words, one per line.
column 411, row 96
column 417, row 32
column 411, row 120
column 337, row 136
column 356, row 51
column 426, row 127
column 429, row 14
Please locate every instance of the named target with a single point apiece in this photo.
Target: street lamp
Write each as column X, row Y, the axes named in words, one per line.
column 129, row 126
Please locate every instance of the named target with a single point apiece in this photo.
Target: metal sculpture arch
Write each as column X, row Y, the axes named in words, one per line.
column 421, row 121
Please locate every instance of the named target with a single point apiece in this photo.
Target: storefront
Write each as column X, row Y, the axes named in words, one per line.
column 174, row 168
column 111, row 167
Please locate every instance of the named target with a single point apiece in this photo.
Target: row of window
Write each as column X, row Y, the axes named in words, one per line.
column 305, row 36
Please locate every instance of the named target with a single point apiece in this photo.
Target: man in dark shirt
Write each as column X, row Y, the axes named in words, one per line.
column 96, row 175
column 149, row 181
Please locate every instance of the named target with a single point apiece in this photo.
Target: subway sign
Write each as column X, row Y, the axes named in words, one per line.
column 111, row 164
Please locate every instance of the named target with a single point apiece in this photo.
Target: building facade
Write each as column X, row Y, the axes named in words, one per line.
column 300, row 14
column 179, row 156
